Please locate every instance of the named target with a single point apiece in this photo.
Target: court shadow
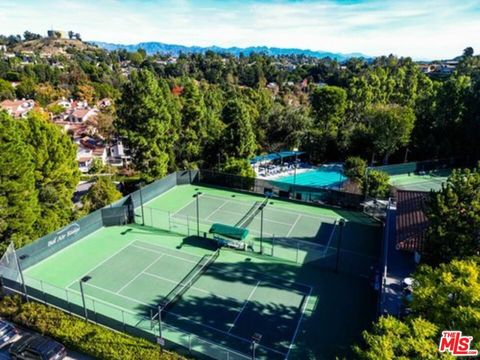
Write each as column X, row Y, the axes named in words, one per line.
column 199, row 242
column 234, row 300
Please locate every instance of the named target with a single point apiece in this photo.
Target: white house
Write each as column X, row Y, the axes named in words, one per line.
column 17, row 108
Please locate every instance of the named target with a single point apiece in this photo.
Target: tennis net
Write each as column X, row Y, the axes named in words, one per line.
column 188, row 281
column 250, row 215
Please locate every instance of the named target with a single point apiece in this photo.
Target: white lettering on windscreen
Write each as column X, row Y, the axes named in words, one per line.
column 64, row 234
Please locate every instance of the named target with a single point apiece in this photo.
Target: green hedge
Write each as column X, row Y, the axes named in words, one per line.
column 78, row 334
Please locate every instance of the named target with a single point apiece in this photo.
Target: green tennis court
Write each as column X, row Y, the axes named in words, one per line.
column 216, row 302
column 132, row 280
column 421, row 182
column 299, row 233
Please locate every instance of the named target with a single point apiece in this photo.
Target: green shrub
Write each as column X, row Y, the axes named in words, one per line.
column 376, row 184
column 354, row 168
column 78, row 334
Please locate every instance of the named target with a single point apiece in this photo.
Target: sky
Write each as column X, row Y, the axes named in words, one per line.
column 422, row 29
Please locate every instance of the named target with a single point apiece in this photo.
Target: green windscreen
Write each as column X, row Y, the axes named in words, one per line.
column 229, row 231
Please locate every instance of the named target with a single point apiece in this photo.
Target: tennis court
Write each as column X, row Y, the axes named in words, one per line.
column 216, row 302
column 142, row 274
column 421, row 182
column 290, row 231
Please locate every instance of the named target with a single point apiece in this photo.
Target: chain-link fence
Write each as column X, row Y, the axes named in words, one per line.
column 287, row 191
column 135, row 324
column 416, row 167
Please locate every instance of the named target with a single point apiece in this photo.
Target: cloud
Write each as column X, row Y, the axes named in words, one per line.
column 426, row 29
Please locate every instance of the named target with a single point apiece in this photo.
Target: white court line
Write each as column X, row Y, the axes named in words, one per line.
column 272, row 208
column 293, row 226
column 113, row 293
column 243, row 307
column 140, row 273
column 184, row 207
column 220, row 270
column 298, row 324
column 175, row 314
column 191, row 287
column 213, row 212
column 158, row 252
column 107, row 303
column 168, row 312
column 102, row 262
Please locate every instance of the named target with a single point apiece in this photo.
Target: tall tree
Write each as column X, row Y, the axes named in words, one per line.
column 454, row 218
column 391, row 126
column 194, row 132
column 100, row 194
column 239, row 138
column 468, row 52
column 18, row 196
column 143, row 117
column 7, row 91
column 56, row 171
column 328, row 106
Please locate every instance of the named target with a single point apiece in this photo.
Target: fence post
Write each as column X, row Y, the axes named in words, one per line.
column 141, row 206
column 273, row 245
column 43, row 292
column 68, row 302
column 94, row 311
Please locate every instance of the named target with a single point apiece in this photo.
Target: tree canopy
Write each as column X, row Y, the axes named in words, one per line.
column 454, row 218
column 100, row 194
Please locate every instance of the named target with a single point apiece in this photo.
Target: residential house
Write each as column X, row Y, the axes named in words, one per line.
column 75, row 111
column 100, row 152
column 119, row 154
column 81, row 115
column 88, row 150
column 17, row 108
column 84, row 159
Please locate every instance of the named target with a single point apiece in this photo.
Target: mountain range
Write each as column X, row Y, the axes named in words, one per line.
column 174, row 50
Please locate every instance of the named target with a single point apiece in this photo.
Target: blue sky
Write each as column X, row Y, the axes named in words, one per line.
column 423, row 29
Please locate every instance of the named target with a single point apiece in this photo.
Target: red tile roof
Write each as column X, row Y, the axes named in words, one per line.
column 411, row 221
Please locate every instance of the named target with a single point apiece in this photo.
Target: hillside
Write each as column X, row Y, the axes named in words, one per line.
column 174, row 50
column 51, row 46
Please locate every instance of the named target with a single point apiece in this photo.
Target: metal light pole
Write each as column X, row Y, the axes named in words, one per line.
column 159, row 321
column 197, row 195
column 339, row 245
column 366, row 183
column 21, row 274
column 261, row 231
column 141, row 205
column 295, row 173
column 82, row 280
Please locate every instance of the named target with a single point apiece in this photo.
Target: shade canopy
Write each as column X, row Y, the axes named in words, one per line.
column 275, row 156
column 229, row 231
